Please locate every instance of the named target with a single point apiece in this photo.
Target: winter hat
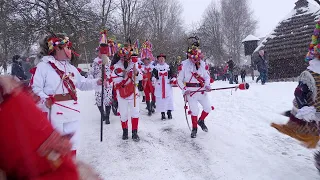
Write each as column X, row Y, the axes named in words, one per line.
column 162, row 55
column 314, row 47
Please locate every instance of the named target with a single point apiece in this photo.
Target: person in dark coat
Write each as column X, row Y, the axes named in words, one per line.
column 261, row 64
column 17, row 69
column 243, row 74
column 26, row 66
column 230, row 70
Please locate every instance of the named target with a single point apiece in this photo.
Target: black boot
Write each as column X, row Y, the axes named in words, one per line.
column 125, row 134
column 317, row 159
column 135, row 136
column 149, row 108
column 194, row 133
column 153, row 106
column 144, row 99
column 202, row 125
column 107, row 115
column 169, row 114
column 163, row 115
column 102, row 112
column 115, row 107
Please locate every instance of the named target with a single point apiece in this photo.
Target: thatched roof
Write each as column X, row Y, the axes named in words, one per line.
column 288, row 44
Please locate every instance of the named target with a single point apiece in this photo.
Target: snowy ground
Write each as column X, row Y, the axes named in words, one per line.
column 240, row 144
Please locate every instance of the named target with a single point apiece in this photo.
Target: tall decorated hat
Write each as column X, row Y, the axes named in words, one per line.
column 124, row 52
column 194, row 52
column 314, row 47
column 146, row 50
column 107, row 45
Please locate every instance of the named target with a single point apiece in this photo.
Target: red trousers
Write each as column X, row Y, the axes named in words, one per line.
column 149, row 92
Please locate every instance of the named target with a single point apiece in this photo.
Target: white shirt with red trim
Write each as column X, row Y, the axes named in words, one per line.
column 47, row 82
column 162, row 85
column 188, row 72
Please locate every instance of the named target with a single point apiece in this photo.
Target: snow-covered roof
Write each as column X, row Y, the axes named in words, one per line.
column 250, row 38
column 287, row 44
column 310, row 9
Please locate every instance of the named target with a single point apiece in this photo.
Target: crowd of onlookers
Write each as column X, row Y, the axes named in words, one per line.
column 21, row 66
column 231, row 72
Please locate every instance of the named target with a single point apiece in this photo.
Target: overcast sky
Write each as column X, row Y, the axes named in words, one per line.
column 267, row 12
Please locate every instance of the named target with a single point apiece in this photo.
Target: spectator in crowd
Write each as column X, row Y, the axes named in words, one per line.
column 17, row 69
column 26, row 66
column 230, row 70
column 243, row 74
column 261, row 63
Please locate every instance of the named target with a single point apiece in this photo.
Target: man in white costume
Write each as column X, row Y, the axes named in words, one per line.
column 162, row 79
column 55, row 81
column 193, row 76
column 126, row 75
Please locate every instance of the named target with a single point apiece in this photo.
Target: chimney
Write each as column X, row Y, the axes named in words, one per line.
column 301, row 3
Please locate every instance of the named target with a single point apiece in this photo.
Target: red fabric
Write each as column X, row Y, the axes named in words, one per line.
column 203, row 115
column 194, row 120
column 73, row 153
column 147, row 84
column 32, row 71
column 111, row 68
column 242, row 86
column 134, row 122
column 124, row 124
column 27, row 130
column 149, row 90
column 163, row 84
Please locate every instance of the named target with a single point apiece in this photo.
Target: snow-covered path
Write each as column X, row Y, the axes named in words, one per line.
column 240, row 144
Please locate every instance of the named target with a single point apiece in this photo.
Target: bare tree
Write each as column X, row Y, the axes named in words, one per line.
column 238, row 22
column 164, row 26
column 128, row 10
column 211, row 34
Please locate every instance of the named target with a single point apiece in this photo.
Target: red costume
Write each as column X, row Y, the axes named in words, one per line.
column 31, row 149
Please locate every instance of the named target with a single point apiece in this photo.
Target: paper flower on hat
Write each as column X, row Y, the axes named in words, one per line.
column 124, row 52
column 146, row 50
column 314, row 47
column 55, row 42
column 194, row 53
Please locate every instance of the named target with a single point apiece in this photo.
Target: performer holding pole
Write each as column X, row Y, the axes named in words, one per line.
column 193, row 76
column 125, row 75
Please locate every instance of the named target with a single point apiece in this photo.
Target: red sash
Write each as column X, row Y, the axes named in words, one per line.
column 163, row 83
column 67, row 82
